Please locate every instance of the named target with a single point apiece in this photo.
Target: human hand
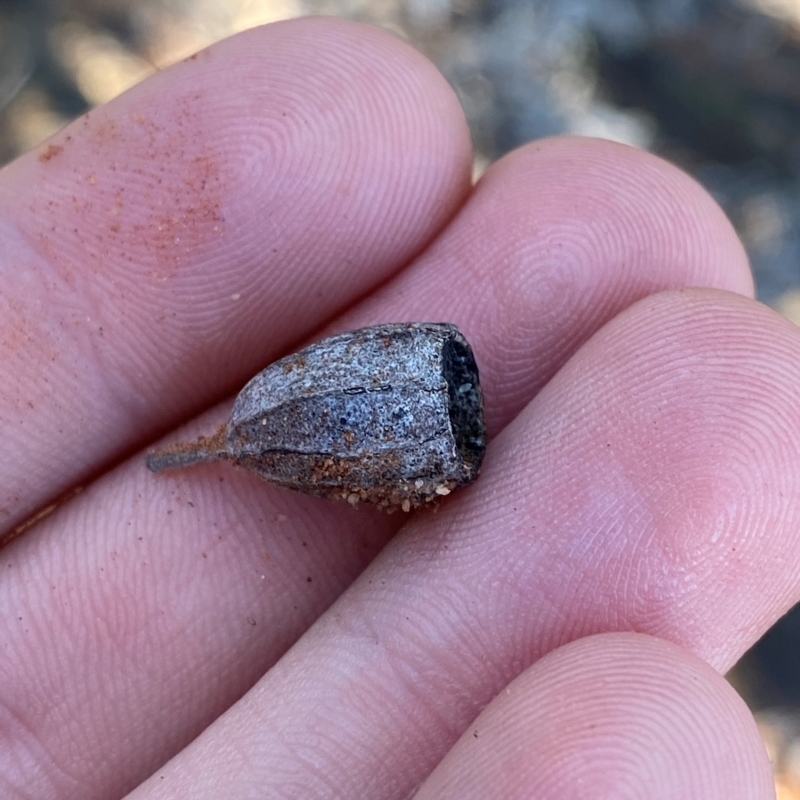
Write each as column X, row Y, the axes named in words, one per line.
column 556, row 630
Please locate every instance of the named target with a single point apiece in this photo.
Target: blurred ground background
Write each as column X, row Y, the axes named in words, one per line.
column 713, row 85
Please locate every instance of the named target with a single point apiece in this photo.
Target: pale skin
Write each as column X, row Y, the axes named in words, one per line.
column 557, row 630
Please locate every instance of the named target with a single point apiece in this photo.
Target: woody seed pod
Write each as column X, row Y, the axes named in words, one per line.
column 391, row 415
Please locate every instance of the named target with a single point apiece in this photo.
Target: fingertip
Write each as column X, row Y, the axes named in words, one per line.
column 614, row 715
column 647, row 482
column 628, row 202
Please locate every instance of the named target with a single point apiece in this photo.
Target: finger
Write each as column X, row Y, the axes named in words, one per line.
column 131, row 628
column 163, row 248
column 645, row 488
column 619, row 715
column 159, row 529
column 557, row 239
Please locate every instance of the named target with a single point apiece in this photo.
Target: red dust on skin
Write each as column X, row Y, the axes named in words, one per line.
column 104, row 134
column 51, row 151
column 38, row 515
column 177, row 181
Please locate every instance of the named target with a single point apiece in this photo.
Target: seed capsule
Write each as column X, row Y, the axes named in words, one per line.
column 391, row 415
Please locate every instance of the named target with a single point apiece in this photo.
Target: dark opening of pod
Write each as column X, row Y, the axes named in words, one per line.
column 466, row 404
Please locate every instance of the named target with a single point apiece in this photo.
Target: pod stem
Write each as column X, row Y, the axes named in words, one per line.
column 185, row 454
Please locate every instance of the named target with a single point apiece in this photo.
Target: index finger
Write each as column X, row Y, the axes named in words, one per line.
column 163, row 248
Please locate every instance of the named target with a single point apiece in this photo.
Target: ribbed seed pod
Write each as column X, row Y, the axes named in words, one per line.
column 391, row 415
